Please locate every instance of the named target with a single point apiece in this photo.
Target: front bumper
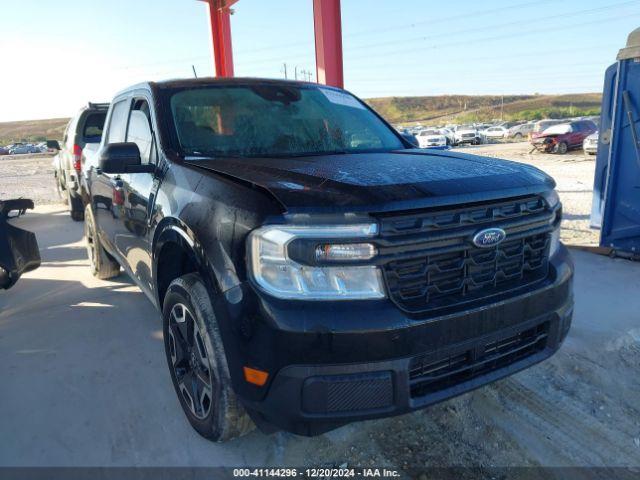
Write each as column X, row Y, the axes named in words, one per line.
column 543, row 146
column 376, row 362
column 590, row 148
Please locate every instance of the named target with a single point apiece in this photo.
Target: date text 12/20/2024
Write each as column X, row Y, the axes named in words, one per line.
column 316, row 472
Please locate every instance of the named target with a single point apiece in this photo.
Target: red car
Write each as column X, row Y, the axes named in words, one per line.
column 563, row 137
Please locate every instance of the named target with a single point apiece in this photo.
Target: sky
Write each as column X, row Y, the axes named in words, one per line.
column 57, row 55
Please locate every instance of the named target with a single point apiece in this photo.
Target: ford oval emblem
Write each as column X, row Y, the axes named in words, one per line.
column 489, row 237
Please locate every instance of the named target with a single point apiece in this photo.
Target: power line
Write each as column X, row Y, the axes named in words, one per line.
column 542, row 71
column 467, row 42
column 536, row 54
column 476, row 13
column 557, row 17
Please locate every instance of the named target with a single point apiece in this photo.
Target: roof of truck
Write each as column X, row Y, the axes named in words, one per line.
column 204, row 81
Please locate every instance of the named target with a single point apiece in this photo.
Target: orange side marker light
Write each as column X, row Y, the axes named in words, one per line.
column 256, row 377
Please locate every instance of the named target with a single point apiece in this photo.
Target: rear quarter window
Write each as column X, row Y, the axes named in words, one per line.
column 93, row 127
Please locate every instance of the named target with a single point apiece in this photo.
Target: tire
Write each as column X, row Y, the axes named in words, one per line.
column 561, row 148
column 75, row 207
column 103, row 265
column 60, row 191
column 198, row 364
column 518, row 136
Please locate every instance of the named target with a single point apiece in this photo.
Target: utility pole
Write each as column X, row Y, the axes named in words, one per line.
column 502, row 108
column 295, row 72
column 284, row 69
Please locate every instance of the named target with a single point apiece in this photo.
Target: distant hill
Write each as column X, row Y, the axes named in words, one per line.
column 32, row 130
column 471, row 108
column 436, row 109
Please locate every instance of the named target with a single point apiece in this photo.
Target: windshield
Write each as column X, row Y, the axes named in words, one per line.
column 559, row 129
column 541, row 126
column 275, row 120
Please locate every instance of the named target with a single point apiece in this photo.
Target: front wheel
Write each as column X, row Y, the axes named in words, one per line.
column 75, row 206
column 198, row 364
column 103, row 265
column 60, row 191
column 561, row 148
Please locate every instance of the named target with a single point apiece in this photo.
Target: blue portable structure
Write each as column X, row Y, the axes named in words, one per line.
column 616, row 202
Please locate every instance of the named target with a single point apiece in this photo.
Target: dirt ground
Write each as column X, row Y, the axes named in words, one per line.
column 31, row 177
column 28, row 176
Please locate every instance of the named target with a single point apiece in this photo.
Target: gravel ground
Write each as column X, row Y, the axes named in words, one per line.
column 28, row 176
column 31, row 177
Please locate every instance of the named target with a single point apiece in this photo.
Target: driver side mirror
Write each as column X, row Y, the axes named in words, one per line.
column 123, row 158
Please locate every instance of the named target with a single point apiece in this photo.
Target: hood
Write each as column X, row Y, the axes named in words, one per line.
column 376, row 182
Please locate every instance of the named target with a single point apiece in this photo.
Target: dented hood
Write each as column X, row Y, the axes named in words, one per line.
column 375, row 182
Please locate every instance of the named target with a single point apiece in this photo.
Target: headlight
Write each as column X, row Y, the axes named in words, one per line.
column 278, row 275
column 555, row 242
column 553, row 200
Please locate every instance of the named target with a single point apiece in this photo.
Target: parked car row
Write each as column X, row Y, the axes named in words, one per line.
column 22, row 148
column 479, row 133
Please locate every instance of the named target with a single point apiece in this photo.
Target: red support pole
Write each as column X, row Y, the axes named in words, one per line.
column 328, row 33
column 219, row 14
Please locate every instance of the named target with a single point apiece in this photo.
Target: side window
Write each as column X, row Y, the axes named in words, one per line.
column 93, row 127
column 118, row 123
column 140, row 130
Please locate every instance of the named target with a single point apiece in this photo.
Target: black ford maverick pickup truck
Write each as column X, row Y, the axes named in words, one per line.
column 312, row 267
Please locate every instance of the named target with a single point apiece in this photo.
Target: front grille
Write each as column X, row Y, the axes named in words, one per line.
column 428, row 376
column 431, row 263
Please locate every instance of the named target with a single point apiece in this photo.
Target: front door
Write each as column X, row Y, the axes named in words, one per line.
column 133, row 240
column 107, row 189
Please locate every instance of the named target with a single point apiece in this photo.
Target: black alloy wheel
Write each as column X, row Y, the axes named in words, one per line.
column 190, row 361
